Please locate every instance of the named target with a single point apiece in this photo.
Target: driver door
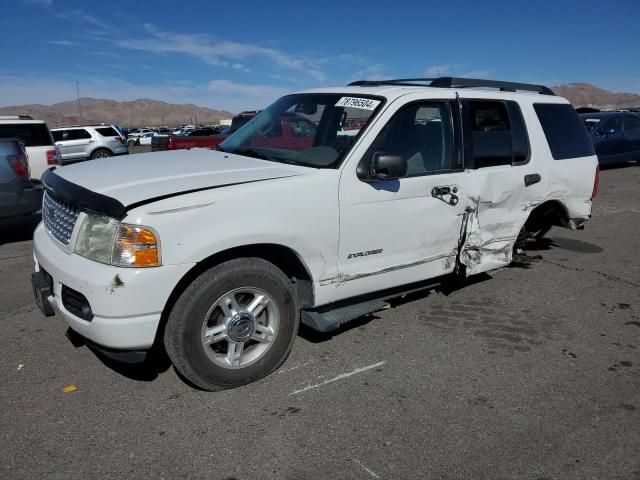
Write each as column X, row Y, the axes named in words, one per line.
column 396, row 232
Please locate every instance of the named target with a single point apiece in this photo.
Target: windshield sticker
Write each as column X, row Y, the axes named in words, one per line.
column 361, row 103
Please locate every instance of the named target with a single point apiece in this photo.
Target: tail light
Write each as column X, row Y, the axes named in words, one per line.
column 20, row 166
column 121, row 140
column 596, row 183
column 53, row 157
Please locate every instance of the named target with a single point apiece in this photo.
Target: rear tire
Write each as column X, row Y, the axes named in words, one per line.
column 101, row 153
column 233, row 325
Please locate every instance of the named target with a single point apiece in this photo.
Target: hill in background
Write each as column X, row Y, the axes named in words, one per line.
column 139, row 113
column 587, row 95
column 145, row 112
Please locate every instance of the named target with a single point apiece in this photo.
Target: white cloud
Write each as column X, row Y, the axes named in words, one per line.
column 252, row 96
column 64, row 43
column 220, row 53
column 41, row 3
column 457, row 70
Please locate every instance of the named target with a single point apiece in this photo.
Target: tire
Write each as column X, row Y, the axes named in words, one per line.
column 215, row 343
column 101, row 153
column 131, row 143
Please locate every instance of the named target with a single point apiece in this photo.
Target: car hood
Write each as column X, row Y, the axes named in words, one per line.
column 132, row 179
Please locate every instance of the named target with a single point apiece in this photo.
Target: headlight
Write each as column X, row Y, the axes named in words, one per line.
column 108, row 241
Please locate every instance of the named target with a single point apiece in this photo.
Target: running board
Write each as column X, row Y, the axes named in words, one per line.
column 331, row 317
column 329, row 320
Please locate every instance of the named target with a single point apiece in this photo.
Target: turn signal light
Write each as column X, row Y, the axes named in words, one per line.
column 135, row 247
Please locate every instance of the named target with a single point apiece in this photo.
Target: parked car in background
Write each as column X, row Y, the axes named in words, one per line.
column 615, row 135
column 37, row 140
column 147, row 138
column 188, row 139
column 18, row 194
column 89, row 142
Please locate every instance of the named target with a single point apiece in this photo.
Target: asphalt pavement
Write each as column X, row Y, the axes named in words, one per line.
column 523, row 373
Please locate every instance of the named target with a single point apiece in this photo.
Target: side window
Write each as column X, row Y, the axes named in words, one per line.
column 613, row 126
column 490, row 133
column 632, row 128
column 57, row 135
column 422, row 134
column 519, row 136
column 565, row 133
column 77, row 134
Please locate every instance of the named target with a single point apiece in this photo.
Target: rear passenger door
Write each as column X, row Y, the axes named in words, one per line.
column 505, row 181
column 75, row 143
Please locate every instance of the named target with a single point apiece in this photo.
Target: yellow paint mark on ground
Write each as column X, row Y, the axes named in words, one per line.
column 69, row 388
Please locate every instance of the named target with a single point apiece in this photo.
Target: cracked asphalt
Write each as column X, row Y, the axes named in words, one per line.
column 524, row 373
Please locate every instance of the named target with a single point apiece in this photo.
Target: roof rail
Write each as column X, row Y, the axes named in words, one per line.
column 455, row 82
column 16, row 117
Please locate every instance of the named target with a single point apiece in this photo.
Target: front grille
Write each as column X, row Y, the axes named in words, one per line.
column 59, row 217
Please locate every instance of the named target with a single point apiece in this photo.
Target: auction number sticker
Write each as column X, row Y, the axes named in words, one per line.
column 361, row 103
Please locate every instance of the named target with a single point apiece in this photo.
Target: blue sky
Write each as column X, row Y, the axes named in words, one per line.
column 244, row 54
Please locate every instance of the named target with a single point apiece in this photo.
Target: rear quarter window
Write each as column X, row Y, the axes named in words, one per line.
column 30, row 134
column 565, row 132
column 107, row 132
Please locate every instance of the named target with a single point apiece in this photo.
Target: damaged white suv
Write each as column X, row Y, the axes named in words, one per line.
column 319, row 209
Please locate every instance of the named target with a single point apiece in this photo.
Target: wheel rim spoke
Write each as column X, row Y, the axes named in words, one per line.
column 234, row 353
column 229, row 305
column 257, row 305
column 215, row 334
column 262, row 333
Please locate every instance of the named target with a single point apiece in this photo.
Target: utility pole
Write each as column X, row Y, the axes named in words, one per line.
column 78, row 99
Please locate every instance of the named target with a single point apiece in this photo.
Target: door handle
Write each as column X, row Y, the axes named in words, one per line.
column 532, row 179
column 441, row 192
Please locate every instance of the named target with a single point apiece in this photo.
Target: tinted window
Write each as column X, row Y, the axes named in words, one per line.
column 75, row 134
column 422, row 134
column 57, row 135
column 566, row 134
column 632, row 128
column 107, row 132
column 30, row 134
column 491, row 133
column 519, row 136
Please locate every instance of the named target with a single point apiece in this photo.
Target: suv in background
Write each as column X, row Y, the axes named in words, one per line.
column 615, row 135
column 36, row 138
column 91, row 141
column 18, row 194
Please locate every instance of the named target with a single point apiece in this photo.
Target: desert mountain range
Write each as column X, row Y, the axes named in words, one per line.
column 145, row 112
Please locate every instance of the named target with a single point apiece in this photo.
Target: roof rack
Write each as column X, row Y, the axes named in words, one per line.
column 16, row 117
column 454, row 82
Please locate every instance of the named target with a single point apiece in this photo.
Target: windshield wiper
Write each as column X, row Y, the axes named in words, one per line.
column 252, row 152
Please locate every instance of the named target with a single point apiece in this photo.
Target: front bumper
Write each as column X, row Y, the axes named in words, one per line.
column 126, row 302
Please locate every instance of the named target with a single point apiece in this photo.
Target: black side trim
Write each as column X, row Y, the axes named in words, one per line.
column 185, row 192
column 83, row 198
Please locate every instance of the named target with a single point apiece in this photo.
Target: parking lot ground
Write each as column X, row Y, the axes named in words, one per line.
column 529, row 373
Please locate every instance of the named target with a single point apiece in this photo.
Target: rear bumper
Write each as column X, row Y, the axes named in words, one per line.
column 126, row 303
column 21, row 198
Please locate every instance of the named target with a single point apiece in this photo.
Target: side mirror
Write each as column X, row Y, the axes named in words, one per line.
column 385, row 166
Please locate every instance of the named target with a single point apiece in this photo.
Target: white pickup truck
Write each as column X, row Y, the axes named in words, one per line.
column 219, row 255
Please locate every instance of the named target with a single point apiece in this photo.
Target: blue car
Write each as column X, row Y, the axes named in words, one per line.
column 615, row 135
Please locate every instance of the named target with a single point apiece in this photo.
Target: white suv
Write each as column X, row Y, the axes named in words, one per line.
column 37, row 140
column 219, row 255
column 89, row 142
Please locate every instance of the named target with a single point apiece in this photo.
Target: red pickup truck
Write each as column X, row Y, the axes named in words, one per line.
column 288, row 131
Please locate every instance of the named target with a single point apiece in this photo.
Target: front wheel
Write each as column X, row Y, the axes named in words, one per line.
column 233, row 325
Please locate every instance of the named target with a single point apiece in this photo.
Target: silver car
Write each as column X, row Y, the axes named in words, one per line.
column 89, row 142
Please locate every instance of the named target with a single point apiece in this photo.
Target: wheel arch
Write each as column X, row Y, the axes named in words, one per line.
column 549, row 212
column 97, row 149
column 281, row 256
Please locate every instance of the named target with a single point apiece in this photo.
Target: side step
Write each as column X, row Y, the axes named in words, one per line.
column 329, row 320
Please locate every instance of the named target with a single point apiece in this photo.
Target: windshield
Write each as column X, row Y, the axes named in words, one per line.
column 314, row 130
